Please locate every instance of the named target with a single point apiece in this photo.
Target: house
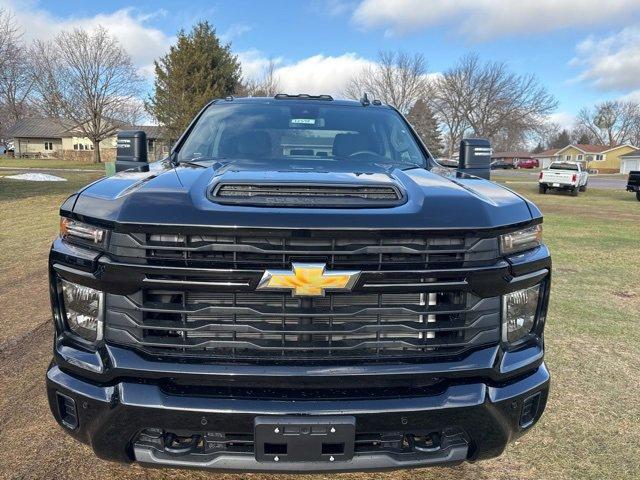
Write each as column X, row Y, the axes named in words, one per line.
column 602, row 158
column 630, row 161
column 546, row 157
column 51, row 137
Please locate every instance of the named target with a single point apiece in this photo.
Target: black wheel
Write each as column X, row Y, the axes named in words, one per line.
column 574, row 192
column 542, row 189
column 583, row 188
column 638, row 195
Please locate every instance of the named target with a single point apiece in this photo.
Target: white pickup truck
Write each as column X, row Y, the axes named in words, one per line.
column 564, row 176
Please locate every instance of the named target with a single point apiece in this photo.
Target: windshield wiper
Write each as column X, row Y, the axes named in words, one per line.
column 195, row 161
column 192, row 162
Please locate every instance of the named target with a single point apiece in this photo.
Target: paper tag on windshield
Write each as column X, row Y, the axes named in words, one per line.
column 303, row 121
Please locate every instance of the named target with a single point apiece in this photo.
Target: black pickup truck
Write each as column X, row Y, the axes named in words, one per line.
column 633, row 183
column 298, row 287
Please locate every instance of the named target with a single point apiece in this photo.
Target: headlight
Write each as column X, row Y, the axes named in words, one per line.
column 82, row 310
column 521, row 240
column 519, row 310
column 74, row 228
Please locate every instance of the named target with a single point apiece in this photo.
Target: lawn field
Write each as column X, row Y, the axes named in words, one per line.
column 46, row 163
column 590, row 430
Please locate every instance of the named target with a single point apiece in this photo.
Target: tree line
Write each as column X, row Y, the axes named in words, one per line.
column 88, row 79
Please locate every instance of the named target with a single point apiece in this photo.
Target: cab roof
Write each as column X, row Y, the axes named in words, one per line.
column 303, row 99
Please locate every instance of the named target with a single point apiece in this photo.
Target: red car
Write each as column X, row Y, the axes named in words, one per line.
column 528, row 163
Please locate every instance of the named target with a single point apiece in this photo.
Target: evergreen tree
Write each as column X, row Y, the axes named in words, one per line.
column 561, row 140
column 197, row 69
column 425, row 124
column 584, row 139
column 539, row 148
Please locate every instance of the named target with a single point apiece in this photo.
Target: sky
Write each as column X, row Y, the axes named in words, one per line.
column 583, row 51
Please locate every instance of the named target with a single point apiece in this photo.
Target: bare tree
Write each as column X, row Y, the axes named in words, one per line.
column 397, row 78
column 634, row 137
column 448, row 101
column 89, row 79
column 16, row 83
column 266, row 86
column 611, row 123
column 487, row 100
column 9, row 36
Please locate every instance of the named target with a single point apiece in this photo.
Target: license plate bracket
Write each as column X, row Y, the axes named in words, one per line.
column 304, row 439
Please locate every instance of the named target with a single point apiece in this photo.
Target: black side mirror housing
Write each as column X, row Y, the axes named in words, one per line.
column 132, row 151
column 475, row 157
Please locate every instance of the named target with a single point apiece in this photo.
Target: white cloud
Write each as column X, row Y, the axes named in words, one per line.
column 632, row 96
column 564, row 119
column 234, row 31
column 254, row 63
column 321, row 74
column 130, row 27
column 612, row 62
column 315, row 75
column 485, row 19
column 337, row 7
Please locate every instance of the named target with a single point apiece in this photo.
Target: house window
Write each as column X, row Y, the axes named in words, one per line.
column 599, row 158
column 567, row 157
column 48, row 145
column 580, row 157
column 81, row 146
column 75, row 146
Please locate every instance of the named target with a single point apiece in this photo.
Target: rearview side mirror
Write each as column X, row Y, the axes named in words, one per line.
column 132, row 151
column 475, row 157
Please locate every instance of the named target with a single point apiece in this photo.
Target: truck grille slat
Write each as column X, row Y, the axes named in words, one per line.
column 401, row 309
column 366, row 250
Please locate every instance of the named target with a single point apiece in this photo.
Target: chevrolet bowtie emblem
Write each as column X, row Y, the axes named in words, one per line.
column 308, row 280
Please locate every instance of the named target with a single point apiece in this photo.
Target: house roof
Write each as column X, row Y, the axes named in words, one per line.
column 591, row 148
column 520, row 154
column 59, row 128
column 595, row 148
column 546, row 153
column 40, row 128
column 635, row 153
column 152, row 131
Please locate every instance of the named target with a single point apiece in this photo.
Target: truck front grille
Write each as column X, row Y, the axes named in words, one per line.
column 399, row 309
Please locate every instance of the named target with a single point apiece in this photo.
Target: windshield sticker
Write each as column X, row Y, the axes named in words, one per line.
column 303, row 121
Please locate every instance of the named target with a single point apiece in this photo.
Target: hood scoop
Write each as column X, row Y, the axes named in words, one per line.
column 307, row 195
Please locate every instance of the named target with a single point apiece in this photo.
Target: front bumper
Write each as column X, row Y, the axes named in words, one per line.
column 475, row 420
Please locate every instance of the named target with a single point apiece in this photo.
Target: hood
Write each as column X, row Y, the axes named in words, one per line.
column 434, row 199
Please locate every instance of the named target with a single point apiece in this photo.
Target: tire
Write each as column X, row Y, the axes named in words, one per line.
column 542, row 189
column 583, row 188
column 638, row 195
column 574, row 191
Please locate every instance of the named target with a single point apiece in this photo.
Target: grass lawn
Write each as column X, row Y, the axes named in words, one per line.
column 45, row 163
column 590, row 430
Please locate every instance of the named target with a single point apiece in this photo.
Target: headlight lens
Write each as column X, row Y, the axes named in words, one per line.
column 519, row 310
column 82, row 310
column 521, row 240
column 74, row 228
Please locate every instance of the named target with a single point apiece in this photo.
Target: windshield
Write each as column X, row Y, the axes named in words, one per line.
column 298, row 132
